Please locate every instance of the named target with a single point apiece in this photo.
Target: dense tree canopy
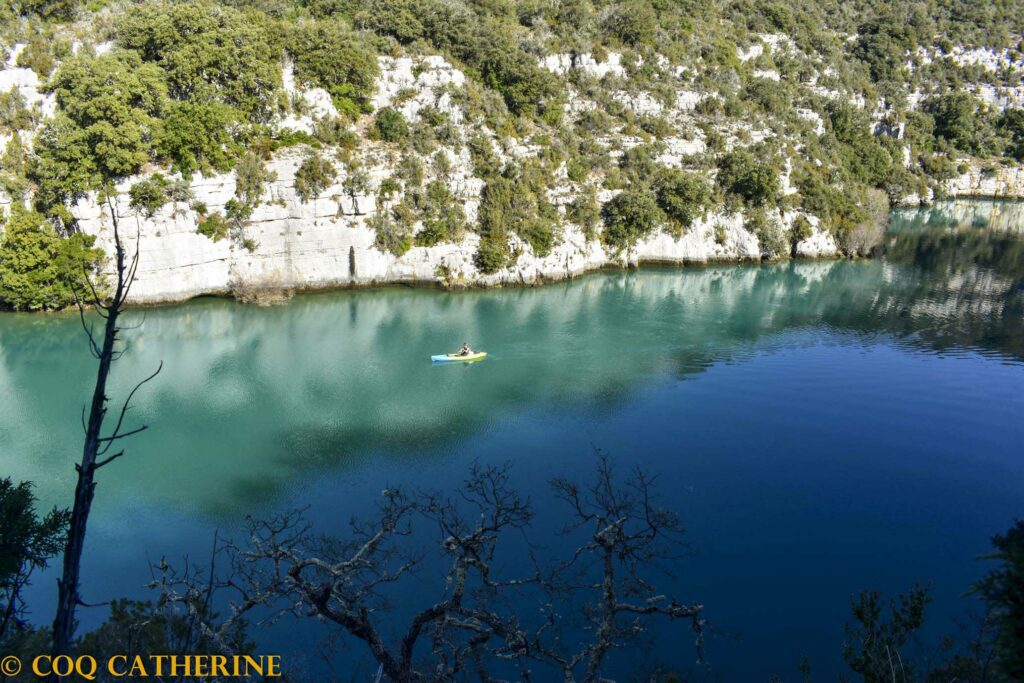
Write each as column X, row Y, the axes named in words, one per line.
column 209, row 53
column 330, row 55
column 114, row 104
column 39, row 269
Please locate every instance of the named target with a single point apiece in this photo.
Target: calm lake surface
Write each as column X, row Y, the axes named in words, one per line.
column 823, row 427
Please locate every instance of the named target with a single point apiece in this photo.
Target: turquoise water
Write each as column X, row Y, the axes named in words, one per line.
column 823, row 427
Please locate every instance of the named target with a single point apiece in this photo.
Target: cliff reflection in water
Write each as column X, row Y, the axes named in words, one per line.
column 965, row 280
column 252, row 397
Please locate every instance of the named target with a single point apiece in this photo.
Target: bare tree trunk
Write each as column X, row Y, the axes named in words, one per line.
column 96, row 446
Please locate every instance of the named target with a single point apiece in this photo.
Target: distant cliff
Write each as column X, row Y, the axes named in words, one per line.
column 257, row 152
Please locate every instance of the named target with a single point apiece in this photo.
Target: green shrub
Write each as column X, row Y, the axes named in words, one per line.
column 526, row 88
column 147, row 196
column 633, row 23
column 15, row 114
column 741, row 173
column 1001, row 590
column 769, row 233
column 720, row 235
column 539, row 234
column 882, row 44
column 768, row 94
column 629, row 216
column 237, row 212
column 251, row 178
column 388, row 187
column 485, row 162
column 47, row 10
column 393, row 236
column 801, row 230
column 391, row 126
column 492, row 254
column 314, row 175
column 434, row 232
column 1011, row 124
column 959, row 120
column 684, row 197
column 442, row 214
column 860, row 152
column 585, row 211
column 39, row 270
column 43, row 53
column 213, row 226
column 639, row 163
column 517, row 203
column 411, row 171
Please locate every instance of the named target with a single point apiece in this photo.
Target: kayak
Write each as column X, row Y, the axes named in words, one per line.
column 456, row 358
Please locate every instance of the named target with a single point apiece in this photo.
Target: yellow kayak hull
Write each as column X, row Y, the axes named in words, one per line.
column 456, row 358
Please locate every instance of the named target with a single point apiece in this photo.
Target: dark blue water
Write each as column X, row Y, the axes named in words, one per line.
column 823, row 428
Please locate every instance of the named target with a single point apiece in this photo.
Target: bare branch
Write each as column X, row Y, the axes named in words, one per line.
column 124, row 409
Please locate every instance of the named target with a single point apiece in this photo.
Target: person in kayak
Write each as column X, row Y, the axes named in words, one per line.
column 465, row 350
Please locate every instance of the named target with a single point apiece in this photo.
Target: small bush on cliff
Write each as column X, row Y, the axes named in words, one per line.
column 213, row 226
column 492, row 254
column 633, row 23
column 147, row 196
column 393, row 236
column 391, row 126
column 313, row 176
column 630, row 215
column 684, row 197
column 585, row 211
column 769, row 233
column 742, row 174
column 39, row 270
column 251, row 178
column 43, row 53
column 517, row 204
column 801, row 230
column 442, row 214
column 15, row 114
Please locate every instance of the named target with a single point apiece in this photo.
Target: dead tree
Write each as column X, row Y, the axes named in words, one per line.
column 483, row 625
column 96, row 452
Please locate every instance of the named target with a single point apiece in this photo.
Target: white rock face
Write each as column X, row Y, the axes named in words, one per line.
column 814, row 118
column 641, row 104
column 417, row 83
column 563, row 63
column 310, row 246
column 769, row 74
